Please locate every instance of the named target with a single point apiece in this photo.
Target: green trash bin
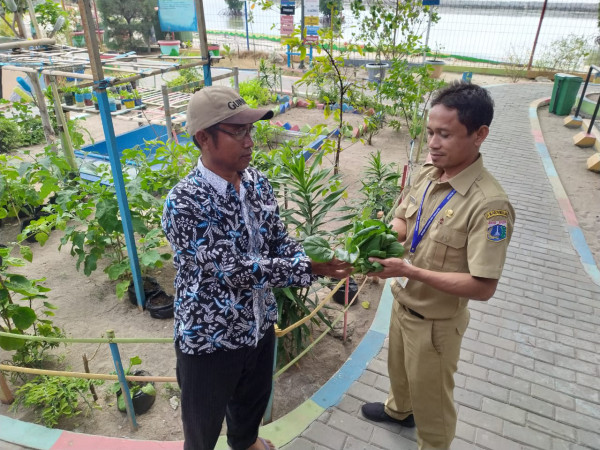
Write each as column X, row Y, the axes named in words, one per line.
column 564, row 93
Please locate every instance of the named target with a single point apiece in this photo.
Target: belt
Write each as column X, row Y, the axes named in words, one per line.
column 413, row 312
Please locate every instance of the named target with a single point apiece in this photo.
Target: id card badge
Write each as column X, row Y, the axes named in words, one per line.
column 403, row 281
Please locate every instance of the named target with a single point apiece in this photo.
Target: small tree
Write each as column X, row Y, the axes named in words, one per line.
column 235, row 7
column 127, row 24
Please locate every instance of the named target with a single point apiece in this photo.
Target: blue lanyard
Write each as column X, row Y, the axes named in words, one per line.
column 417, row 236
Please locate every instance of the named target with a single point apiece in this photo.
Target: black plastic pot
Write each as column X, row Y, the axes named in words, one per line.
column 141, row 401
column 151, row 288
column 160, row 305
column 25, row 223
column 340, row 295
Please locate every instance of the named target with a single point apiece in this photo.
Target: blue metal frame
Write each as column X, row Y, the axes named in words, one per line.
column 115, row 164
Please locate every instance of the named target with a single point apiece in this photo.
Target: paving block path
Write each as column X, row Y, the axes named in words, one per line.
column 529, row 373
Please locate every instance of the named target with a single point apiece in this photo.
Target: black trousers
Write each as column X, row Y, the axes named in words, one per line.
column 235, row 385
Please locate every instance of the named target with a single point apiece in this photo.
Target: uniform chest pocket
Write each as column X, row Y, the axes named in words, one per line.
column 449, row 249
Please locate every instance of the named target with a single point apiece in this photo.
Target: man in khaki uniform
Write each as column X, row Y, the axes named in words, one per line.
column 456, row 223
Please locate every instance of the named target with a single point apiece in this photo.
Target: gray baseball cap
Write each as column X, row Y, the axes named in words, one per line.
column 220, row 104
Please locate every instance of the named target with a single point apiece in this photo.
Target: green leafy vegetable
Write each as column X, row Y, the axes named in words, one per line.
column 369, row 238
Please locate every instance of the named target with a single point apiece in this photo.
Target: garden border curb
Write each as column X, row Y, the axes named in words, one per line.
column 575, row 231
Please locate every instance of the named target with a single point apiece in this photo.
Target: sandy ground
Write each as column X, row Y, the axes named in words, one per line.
column 88, row 306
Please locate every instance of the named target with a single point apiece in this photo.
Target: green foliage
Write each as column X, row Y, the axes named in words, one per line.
column 235, row 7
column 48, row 12
column 368, row 239
column 24, row 309
column 380, row 187
column 10, row 135
column 255, row 93
column 269, row 75
column 406, row 91
column 308, row 194
column 24, row 122
column 567, row 54
column 330, row 67
column 330, row 7
column 390, row 29
column 186, row 76
column 126, row 22
column 54, row 398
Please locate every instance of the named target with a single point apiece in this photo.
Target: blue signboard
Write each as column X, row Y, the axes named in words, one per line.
column 431, row 2
column 177, row 15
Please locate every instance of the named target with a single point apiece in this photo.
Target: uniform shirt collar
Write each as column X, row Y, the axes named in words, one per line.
column 465, row 179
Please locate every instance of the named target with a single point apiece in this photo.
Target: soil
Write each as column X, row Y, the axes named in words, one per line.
column 88, row 307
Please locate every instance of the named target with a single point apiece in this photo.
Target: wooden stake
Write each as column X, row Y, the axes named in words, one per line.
column 6, row 396
column 86, row 367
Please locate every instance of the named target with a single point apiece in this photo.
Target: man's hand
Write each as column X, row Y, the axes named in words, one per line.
column 333, row 269
column 392, row 267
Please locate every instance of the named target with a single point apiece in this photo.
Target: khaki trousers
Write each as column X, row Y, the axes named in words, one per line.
column 422, row 359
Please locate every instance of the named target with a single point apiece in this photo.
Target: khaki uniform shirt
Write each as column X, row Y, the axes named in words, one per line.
column 470, row 234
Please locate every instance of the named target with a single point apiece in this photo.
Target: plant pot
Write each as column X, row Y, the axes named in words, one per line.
column 142, row 401
column 435, row 67
column 129, row 103
column 151, row 287
column 137, row 101
column 170, row 48
column 340, row 295
column 69, row 98
column 26, row 222
column 87, row 99
column 213, row 49
column 376, row 71
column 160, row 305
column 79, row 100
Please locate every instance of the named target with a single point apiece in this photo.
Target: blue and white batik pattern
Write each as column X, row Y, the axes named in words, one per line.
column 229, row 249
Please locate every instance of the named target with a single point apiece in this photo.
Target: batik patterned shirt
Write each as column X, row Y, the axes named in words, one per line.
column 230, row 249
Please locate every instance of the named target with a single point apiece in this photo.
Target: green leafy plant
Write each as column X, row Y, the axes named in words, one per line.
column 380, row 188
column 255, row 93
column 331, row 66
column 24, row 309
column 134, row 386
column 566, row 53
column 369, row 238
column 54, row 398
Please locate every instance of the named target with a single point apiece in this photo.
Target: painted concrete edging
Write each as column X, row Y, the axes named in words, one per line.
column 575, row 232
column 280, row 432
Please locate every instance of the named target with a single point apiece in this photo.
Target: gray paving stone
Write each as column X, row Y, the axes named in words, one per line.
column 492, row 441
column 350, row 424
column 551, row 427
column 588, row 438
column 509, row 382
column 324, row 435
column 356, row 444
column 367, row 393
column 527, row 436
column 578, row 420
column 480, row 419
column 503, row 410
column 302, row 444
column 388, row 439
column 528, row 403
column 552, row 396
column 487, row 389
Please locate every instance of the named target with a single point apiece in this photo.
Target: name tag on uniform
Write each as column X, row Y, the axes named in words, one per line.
column 403, row 281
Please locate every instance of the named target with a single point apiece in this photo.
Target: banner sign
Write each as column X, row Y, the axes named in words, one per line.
column 431, row 2
column 176, row 15
column 311, row 40
column 311, row 20
column 288, row 10
column 311, row 8
column 287, row 25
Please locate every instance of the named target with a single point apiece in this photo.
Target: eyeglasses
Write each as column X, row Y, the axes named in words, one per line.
column 240, row 134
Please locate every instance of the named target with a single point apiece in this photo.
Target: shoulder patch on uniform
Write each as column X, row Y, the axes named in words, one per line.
column 496, row 228
column 496, row 212
column 412, row 199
